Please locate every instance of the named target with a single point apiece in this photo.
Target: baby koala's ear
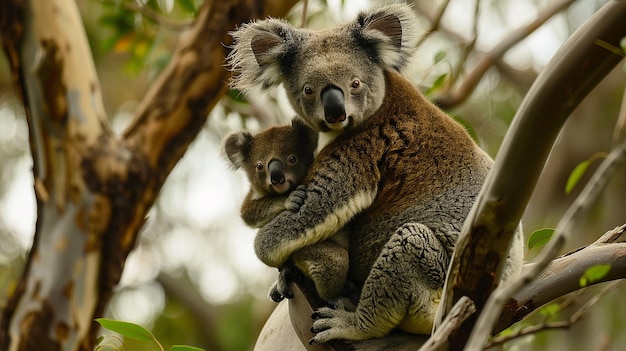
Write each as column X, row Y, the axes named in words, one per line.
column 391, row 32
column 307, row 135
column 236, row 148
column 261, row 54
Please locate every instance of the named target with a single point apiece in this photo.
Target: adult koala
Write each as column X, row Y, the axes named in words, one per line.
column 397, row 169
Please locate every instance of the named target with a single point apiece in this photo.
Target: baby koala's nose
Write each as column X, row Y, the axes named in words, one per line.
column 277, row 171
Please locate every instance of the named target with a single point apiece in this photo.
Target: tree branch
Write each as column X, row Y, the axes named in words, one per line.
column 98, row 188
column 562, row 276
column 565, row 324
column 434, row 22
column 588, row 195
column 458, row 314
column 61, row 96
column 578, row 66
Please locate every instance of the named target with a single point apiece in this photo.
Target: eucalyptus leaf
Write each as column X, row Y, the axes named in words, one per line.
column 129, row 330
column 580, row 170
column 437, row 83
column 594, row 274
column 576, row 175
column 188, row 6
column 550, row 309
column 539, row 237
column 439, row 56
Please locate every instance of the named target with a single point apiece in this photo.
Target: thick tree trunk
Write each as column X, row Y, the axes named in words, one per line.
column 94, row 189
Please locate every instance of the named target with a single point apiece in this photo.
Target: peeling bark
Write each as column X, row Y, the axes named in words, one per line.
column 94, row 189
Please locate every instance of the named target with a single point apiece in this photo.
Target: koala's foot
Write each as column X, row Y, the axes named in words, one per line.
column 395, row 294
column 296, row 198
column 330, row 324
column 281, row 289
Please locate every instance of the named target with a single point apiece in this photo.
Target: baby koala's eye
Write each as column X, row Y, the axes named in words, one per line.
column 259, row 166
column 292, row 159
column 308, row 90
column 356, row 84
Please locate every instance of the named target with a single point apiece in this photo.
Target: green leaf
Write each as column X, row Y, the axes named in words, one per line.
column 188, row 6
column 439, row 56
column 539, row 238
column 185, row 348
column 594, row 273
column 622, row 43
column 575, row 176
column 580, row 170
column 129, row 330
column 550, row 310
column 437, row 83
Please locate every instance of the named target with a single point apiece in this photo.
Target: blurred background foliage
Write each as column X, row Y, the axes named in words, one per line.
column 193, row 278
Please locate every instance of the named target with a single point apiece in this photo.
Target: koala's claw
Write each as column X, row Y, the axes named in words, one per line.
column 296, row 198
column 275, row 295
column 281, row 289
column 330, row 324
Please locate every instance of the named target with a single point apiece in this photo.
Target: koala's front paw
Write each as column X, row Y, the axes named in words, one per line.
column 281, row 289
column 296, row 198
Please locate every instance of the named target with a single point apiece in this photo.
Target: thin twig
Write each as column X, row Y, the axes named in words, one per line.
column 565, row 324
column 435, row 22
column 514, row 37
column 589, row 194
column 153, row 15
column 620, row 126
column 469, row 48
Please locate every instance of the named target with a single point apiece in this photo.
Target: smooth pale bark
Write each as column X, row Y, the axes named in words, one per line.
column 94, row 189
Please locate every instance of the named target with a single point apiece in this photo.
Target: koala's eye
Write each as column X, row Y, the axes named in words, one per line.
column 356, row 84
column 292, row 159
column 308, row 90
column 259, row 167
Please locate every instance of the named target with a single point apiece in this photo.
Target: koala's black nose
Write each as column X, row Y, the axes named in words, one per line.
column 277, row 171
column 333, row 102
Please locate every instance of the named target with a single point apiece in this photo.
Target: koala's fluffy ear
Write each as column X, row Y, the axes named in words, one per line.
column 305, row 133
column 236, row 148
column 259, row 53
column 391, row 33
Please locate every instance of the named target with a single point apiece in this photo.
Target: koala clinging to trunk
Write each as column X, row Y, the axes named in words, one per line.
column 398, row 169
column 275, row 161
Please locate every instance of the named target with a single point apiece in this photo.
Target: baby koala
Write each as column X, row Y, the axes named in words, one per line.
column 276, row 161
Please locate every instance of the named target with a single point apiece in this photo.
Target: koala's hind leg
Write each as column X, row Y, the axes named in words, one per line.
column 402, row 290
column 325, row 264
